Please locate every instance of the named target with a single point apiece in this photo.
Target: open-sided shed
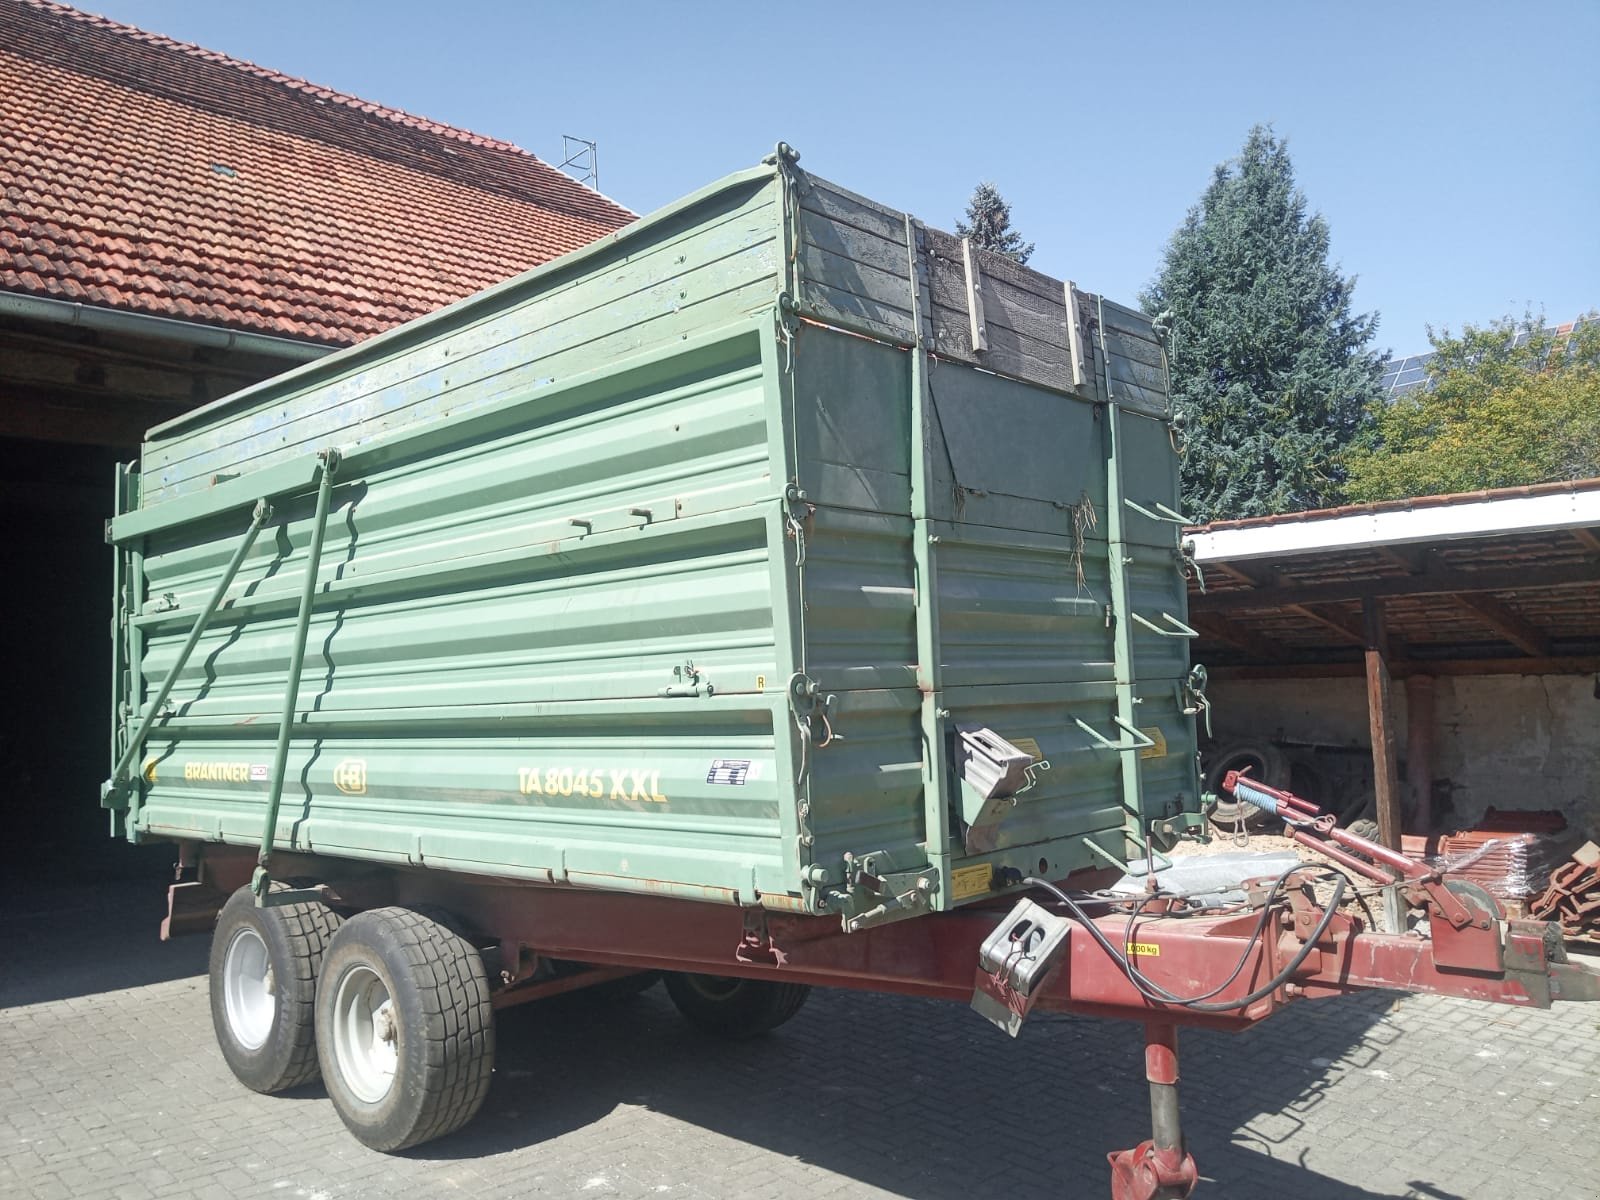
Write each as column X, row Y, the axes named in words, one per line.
column 1485, row 606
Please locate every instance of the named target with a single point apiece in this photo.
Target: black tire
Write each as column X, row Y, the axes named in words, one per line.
column 1363, row 829
column 1266, row 763
column 439, row 1021
column 734, row 1008
column 615, row 991
column 1368, row 829
column 279, row 1052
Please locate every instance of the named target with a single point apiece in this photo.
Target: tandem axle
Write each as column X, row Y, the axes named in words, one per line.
column 740, row 971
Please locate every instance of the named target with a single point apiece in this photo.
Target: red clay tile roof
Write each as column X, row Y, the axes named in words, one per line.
column 153, row 176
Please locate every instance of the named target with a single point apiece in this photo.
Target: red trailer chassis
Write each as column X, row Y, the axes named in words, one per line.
column 1148, row 959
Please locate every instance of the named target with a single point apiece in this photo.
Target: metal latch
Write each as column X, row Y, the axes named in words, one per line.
column 1193, row 699
column 871, row 877
column 691, row 682
column 1014, row 961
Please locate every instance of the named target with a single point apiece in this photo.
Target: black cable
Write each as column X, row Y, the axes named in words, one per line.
column 1147, row 986
column 1244, row 957
column 1355, row 891
column 1153, row 991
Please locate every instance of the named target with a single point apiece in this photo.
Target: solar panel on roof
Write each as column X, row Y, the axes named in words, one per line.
column 1402, row 375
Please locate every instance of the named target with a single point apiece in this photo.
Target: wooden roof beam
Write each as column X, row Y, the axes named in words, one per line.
column 1413, row 560
column 1231, row 633
column 1263, row 577
column 1516, row 629
column 1581, row 664
column 1350, row 630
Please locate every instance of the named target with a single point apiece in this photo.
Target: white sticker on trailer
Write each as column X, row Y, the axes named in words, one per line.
column 732, row 771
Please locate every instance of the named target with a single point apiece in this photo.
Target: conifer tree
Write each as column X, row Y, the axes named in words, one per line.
column 1270, row 367
column 988, row 224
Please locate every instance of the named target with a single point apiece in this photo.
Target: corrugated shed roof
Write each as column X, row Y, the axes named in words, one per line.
column 1477, row 582
column 1449, row 499
column 149, row 175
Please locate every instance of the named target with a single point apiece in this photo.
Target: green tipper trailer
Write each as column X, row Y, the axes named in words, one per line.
column 714, row 561
column 768, row 595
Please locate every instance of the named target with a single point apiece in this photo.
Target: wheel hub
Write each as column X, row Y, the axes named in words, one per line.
column 366, row 1034
column 248, row 989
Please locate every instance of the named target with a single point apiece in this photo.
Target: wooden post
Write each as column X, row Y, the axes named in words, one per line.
column 1380, row 719
column 1419, row 748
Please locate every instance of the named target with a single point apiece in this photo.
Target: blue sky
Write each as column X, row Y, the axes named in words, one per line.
column 1454, row 148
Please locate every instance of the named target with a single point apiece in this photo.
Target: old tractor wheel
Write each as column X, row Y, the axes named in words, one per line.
column 734, row 1008
column 264, row 964
column 1264, row 763
column 405, row 1028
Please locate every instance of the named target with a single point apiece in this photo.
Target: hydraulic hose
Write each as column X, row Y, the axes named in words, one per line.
column 1151, row 990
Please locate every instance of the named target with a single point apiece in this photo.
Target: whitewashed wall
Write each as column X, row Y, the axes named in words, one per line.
column 1529, row 742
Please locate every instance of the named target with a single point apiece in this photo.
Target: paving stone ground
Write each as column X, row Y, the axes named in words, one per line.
column 111, row 1086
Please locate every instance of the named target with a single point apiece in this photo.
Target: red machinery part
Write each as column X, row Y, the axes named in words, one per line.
column 1230, row 956
column 1160, row 1168
column 1573, row 894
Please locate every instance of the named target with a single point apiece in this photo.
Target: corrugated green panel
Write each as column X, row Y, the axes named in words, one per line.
column 866, row 785
column 860, row 600
column 621, row 794
column 1152, row 474
column 691, row 270
column 588, row 538
column 1014, row 609
column 466, row 630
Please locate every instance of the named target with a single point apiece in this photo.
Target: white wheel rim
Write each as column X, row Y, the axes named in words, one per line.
column 366, row 1035
column 715, row 987
column 247, row 989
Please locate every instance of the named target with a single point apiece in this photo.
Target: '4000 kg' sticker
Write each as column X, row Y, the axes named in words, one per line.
column 598, row 783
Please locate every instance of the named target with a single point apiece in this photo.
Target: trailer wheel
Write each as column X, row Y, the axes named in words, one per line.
column 616, row 991
column 405, row 1028
column 263, row 974
column 734, row 1008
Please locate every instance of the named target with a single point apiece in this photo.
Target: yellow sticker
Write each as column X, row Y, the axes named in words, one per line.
column 1148, row 949
column 350, row 777
column 1159, row 750
column 975, row 880
column 761, row 683
column 150, row 771
column 1028, row 746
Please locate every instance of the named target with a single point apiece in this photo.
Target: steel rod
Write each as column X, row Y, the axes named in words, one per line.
column 262, row 880
column 1161, row 1072
column 1342, row 857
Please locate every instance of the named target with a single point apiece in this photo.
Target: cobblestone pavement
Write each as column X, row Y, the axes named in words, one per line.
column 111, row 1086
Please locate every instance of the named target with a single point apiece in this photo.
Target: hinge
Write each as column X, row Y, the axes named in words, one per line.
column 796, row 517
column 875, row 893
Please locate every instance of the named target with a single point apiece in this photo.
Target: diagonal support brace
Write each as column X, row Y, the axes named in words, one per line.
column 117, row 786
column 261, row 881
